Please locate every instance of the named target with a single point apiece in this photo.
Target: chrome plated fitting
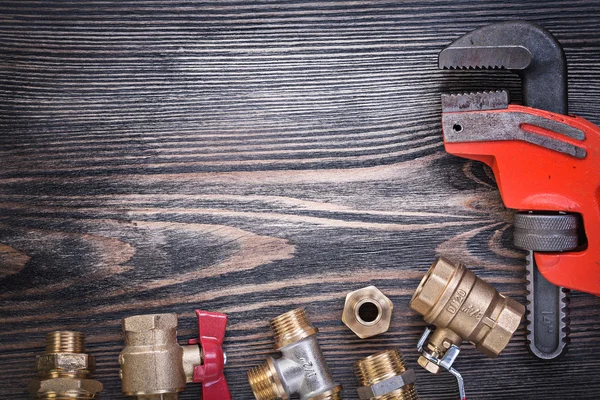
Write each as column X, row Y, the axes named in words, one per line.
column 65, row 369
column 302, row 368
column 384, row 376
column 367, row 312
column 155, row 367
column 462, row 307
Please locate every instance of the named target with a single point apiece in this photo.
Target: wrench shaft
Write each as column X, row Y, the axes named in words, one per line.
column 547, row 316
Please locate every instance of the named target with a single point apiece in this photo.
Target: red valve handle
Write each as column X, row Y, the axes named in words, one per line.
column 211, row 331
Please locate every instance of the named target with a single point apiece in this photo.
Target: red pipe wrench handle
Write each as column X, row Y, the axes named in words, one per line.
column 211, row 332
column 542, row 161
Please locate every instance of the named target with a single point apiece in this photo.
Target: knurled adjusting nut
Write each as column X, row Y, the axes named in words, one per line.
column 387, row 385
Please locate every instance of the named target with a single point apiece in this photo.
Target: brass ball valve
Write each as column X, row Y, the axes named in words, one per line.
column 462, row 307
column 154, row 366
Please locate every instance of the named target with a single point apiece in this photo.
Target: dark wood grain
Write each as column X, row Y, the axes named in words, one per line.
column 252, row 157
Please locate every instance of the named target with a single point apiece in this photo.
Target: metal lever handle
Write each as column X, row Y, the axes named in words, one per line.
column 211, row 332
column 445, row 362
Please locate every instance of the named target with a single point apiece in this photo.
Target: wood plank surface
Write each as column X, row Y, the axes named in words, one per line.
column 251, row 157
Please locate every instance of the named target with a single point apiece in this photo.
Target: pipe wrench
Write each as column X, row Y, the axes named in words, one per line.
column 546, row 164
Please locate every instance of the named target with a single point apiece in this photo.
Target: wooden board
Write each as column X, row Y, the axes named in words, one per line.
column 253, row 157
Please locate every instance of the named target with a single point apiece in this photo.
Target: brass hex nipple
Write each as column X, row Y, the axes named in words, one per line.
column 384, row 376
column 301, row 369
column 65, row 369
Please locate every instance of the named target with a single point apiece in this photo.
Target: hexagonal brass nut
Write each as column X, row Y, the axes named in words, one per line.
column 428, row 365
column 65, row 386
column 353, row 309
column 65, row 362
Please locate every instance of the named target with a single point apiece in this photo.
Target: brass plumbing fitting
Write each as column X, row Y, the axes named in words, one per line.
column 367, row 312
column 155, row 367
column 384, row 376
column 301, row 369
column 65, row 369
column 462, row 307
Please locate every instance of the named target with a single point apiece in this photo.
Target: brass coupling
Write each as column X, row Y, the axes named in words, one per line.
column 462, row 307
column 65, row 369
column 302, row 368
column 367, row 312
column 384, row 376
column 155, row 367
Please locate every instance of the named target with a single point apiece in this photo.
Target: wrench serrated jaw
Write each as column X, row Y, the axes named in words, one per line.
column 478, row 101
column 522, row 47
column 484, row 57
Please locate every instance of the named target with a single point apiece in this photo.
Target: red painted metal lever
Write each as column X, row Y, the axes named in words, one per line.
column 211, row 332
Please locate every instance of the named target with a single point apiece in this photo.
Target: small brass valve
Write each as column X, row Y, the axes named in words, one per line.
column 384, row 376
column 462, row 307
column 155, row 367
column 65, row 369
column 301, row 369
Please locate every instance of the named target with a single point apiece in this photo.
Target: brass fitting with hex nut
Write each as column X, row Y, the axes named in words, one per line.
column 384, row 376
column 302, row 368
column 462, row 307
column 65, row 369
column 367, row 312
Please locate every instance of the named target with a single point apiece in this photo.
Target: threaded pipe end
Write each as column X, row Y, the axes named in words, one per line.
column 381, row 366
column 291, row 327
column 265, row 382
column 333, row 394
column 65, row 342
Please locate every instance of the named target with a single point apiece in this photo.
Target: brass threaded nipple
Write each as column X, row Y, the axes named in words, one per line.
column 381, row 366
column 265, row 383
column 65, row 369
column 65, row 342
column 291, row 327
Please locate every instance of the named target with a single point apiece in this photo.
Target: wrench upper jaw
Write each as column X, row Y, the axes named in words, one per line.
column 522, row 47
column 515, row 45
column 485, row 57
